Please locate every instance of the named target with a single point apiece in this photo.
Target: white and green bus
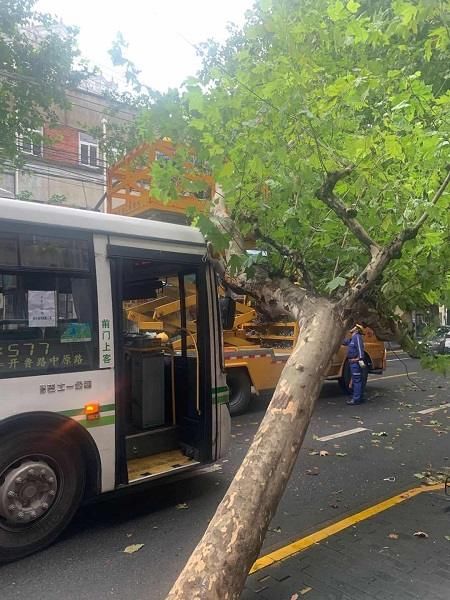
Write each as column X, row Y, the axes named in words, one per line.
column 89, row 403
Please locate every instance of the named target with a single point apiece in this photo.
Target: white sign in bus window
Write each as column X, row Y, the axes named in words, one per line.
column 41, row 309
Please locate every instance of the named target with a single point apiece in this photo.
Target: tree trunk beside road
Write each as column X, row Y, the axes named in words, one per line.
column 257, row 488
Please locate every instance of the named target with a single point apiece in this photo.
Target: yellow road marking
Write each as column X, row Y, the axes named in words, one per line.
column 322, row 534
column 392, row 376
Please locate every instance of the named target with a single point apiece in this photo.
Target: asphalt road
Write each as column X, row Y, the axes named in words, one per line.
column 360, row 469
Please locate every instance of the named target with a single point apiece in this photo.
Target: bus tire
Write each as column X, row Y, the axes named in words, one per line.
column 42, row 480
column 240, row 389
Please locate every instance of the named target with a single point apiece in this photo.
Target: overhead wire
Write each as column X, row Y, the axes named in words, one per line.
column 104, row 112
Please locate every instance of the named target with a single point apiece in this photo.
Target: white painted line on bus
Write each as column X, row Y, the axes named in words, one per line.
column 427, row 411
column 341, row 434
column 392, row 376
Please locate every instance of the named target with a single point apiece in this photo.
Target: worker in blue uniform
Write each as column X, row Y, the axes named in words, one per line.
column 355, row 355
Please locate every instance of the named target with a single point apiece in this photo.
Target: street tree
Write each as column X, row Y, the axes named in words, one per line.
column 326, row 124
column 37, row 57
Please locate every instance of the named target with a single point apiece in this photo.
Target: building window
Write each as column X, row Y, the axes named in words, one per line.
column 88, row 150
column 31, row 142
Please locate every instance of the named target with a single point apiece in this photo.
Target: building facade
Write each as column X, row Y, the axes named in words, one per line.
column 68, row 166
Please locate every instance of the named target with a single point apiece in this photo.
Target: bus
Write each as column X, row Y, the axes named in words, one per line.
column 90, row 403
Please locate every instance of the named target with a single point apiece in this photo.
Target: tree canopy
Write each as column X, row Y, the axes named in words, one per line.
column 309, row 87
column 37, row 55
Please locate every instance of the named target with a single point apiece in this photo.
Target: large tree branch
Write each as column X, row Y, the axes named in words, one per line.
column 295, row 255
column 388, row 253
column 347, row 215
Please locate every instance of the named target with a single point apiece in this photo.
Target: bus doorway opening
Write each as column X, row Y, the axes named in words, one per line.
column 161, row 387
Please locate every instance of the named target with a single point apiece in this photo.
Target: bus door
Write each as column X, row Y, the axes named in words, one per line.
column 163, row 371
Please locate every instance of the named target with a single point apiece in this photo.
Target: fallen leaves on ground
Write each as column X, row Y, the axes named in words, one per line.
column 432, row 477
column 313, row 452
column 421, row 534
column 314, row 471
column 133, row 548
column 379, row 433
column 447, row 537
column 341, row 453
column 276, row 530
column 323, row 453
column 393, row 536
column 305, row 590
column 182, row 506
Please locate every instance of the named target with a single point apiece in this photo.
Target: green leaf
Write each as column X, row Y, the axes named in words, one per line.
column 407, row 11
column 393, row 147
column 209, row 229
column 336, row 11
column 235, row 264
column 227, row 170
column 335, row 283
column 352, row 6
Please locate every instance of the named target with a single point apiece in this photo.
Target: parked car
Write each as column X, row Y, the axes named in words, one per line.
column 438, row 342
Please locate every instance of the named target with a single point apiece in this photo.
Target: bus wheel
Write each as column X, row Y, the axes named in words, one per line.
column 346, row 379
column 41, row 485
column 240, row 389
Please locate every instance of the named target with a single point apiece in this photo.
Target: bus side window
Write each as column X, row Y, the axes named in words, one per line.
column 47, row 316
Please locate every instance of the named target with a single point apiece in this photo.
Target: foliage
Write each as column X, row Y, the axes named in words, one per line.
column 311, row 86
column 37, row 54
column 57, row 199
column 439, row 363
column 25, row 195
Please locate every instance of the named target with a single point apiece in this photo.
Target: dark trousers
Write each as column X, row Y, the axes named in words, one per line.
column 358, row 381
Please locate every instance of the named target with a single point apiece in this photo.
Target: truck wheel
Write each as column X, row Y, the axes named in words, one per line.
column 42, row 481
column 240, row 389
column 346, row 378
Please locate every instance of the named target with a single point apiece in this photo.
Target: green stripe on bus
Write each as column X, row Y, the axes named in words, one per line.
column 76, row 412
column 222, row 398
column 109, row 420
column 220, row 389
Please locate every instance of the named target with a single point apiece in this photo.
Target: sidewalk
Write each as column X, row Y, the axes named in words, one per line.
column 362, row 562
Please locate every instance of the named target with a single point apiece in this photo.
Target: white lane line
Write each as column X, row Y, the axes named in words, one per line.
column 392, row 376
column 341, row 434
column 427, row 411
column 402, row 359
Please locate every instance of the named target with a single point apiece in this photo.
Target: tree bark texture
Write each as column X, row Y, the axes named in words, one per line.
column 218, row 567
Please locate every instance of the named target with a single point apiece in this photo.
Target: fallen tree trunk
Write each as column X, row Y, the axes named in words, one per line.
column 218, row 568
